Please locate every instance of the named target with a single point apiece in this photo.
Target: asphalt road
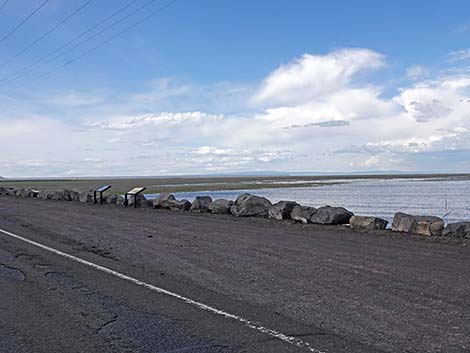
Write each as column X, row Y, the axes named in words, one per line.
column 329, row 288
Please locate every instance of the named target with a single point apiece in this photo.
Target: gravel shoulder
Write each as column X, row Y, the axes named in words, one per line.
column 341, row 290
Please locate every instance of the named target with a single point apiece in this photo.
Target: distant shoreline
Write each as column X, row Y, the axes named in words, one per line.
column 157, row 185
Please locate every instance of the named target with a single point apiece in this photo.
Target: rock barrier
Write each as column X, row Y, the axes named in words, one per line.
column 248, row 205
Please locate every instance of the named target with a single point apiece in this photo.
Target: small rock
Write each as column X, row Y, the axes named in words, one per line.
column 423, row 225
column 302, row 213
column 369, row 223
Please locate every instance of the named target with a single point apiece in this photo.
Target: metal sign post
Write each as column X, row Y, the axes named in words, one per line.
column 100, row 191
column 134, row 192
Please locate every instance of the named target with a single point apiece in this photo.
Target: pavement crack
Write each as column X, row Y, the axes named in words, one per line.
column 184, row 349
column 10, row 272
column 107, row 323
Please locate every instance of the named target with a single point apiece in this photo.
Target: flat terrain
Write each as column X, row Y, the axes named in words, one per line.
column 207, row 183
column 337, row 290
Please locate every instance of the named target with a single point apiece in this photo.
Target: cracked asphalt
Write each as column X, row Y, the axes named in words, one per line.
column 337, row 289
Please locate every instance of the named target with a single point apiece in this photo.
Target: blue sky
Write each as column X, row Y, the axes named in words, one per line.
column 228, row 86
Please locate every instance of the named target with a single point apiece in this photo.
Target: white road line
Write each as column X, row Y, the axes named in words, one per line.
column 286, row 338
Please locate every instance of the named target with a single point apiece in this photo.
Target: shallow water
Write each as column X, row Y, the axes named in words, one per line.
column 379, row 197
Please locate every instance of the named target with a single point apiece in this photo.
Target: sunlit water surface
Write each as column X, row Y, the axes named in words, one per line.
column 379, row 197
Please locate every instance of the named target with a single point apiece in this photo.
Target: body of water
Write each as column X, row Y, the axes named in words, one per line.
column 378, row 197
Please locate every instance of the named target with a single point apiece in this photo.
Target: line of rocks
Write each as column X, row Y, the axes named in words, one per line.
column 247, row 205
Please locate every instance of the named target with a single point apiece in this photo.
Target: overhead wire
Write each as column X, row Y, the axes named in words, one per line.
column 32, row 44
column 161, row 9
column 19, row 25
column 113, row 24
column 3, row 5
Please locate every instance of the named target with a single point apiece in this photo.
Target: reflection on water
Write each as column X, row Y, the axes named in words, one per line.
column 380, row 198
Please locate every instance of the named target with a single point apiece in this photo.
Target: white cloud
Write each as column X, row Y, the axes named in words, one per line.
column 416, row 72
column 459, row 55
column 317, row 113
column 313, row 76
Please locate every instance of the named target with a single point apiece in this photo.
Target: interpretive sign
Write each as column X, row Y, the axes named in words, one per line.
column 134, row 192
column 100, row 191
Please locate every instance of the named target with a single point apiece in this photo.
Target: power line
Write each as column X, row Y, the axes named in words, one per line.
column 80, row 43
column 24, row 21
column 3, row 5
column 23, row 69
column 45, row 34
column 161, row 9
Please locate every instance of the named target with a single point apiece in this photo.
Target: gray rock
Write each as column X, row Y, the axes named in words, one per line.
column 146, row 203
column 27, row 192
column 138, row 199
column 423, row 225
column 111, row 199
column 331, row 215
column 86, row 196
column 59, row 196
column 201, row 204
column 44, row 194
column 221, row 206
column 302, row 213
column 68, row 195
column 120, row 201
column 282, row 210
column 180, row 205
column 6, row 190
column 369, row 223
column 457, row 230
column 247, row 205
column 162, row 201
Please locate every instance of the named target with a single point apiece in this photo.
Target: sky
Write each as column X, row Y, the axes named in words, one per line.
column 222, row 86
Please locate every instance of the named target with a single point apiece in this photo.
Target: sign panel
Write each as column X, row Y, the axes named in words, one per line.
column 103, row 188
column 136, row 191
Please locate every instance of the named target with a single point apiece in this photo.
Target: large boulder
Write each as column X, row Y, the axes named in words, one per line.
column 111, row 199
column 6, row 190
column 146, row 203
column 45, row 195
column 201, row 204
column 163, row 200
column 457, row 230
column 27, row 192
column 281, row 210
column 423, row 225
column 302, row 213
column 120, row 201
column 139, row 200
column 221, row 206
column 331, row 215
column 59, row 195
column 368, row 223
column 179, row 205
column 71, row 195
column 86, row 196
column 247, row 205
